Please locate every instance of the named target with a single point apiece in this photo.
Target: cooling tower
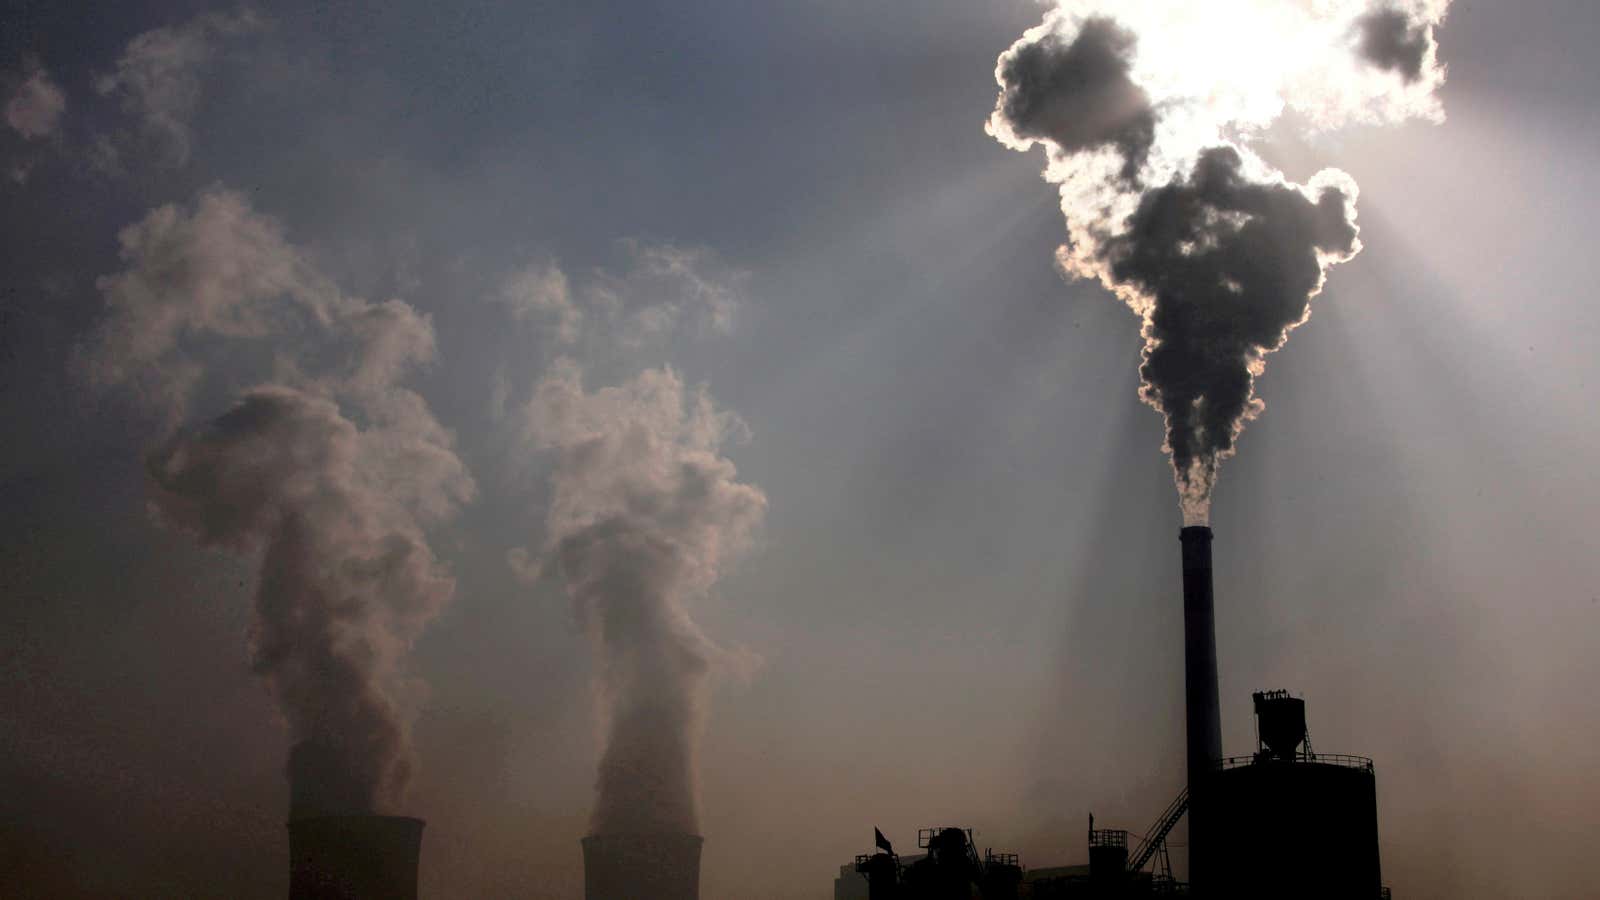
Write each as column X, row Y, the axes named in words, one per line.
column 1203, row 721
column 354, row 858
column 637, row 866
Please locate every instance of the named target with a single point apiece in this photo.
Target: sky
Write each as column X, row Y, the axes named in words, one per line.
column 936, row 580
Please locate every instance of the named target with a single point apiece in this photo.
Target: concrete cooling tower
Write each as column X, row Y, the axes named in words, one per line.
column 634, row 866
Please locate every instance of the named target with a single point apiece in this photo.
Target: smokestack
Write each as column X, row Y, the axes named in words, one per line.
column 1203, row 721
column 1200, row 653
column 631, row 866
column 354, row 858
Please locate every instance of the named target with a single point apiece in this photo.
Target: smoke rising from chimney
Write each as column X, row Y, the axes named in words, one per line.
column 646, row 514
column 325, row 476
column 1147, row 111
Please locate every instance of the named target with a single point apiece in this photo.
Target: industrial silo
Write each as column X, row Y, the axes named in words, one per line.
column 1288, row 822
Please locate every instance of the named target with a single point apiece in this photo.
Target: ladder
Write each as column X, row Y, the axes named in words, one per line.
column 1155, row 840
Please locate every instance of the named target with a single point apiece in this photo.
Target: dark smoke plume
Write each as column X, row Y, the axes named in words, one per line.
column 1078, row 95
column 1167, row 205
column 1390, row 39
column 326, row 478
column 1230, row 266
column 645, row 516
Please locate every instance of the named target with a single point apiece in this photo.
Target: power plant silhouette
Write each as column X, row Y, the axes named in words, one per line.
column 1284, row 821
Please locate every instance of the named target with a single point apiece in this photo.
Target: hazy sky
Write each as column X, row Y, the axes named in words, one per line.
column 963, row 604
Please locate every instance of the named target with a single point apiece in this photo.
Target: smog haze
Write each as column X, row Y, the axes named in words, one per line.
column 553, row 419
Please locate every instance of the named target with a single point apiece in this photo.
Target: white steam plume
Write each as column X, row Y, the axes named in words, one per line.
column 646, row 514
column 35, row 106
column 1147, row 111
column 326, row 476
column 158, row 76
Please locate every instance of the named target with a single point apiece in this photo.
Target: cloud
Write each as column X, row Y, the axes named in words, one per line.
column 158, row 77
column 36, row 106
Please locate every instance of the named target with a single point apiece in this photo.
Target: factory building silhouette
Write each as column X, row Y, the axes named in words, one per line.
column 1284, row 821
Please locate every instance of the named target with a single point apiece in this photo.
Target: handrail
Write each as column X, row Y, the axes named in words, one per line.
column 1158, row 832
column 1263, row 759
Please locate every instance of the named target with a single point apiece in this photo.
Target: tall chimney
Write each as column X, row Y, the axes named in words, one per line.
column 634, row 866
column 1203, row 721
column 354, row 858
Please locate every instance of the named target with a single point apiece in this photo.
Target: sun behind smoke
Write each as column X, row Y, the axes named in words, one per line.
column 1147, row 111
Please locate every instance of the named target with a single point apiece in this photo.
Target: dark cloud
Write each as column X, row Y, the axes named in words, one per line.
column 1077, row 95
column 1229, row 265
column 1390, row 40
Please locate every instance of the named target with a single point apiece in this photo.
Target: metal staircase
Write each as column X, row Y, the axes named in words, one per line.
column 1155, row 840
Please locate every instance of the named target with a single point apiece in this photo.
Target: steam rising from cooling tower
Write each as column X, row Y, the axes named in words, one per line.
column 1147, row 111
column 324, row 477
column 646, row 513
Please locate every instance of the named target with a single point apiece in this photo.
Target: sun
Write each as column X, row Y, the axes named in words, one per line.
column 1226, row 70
